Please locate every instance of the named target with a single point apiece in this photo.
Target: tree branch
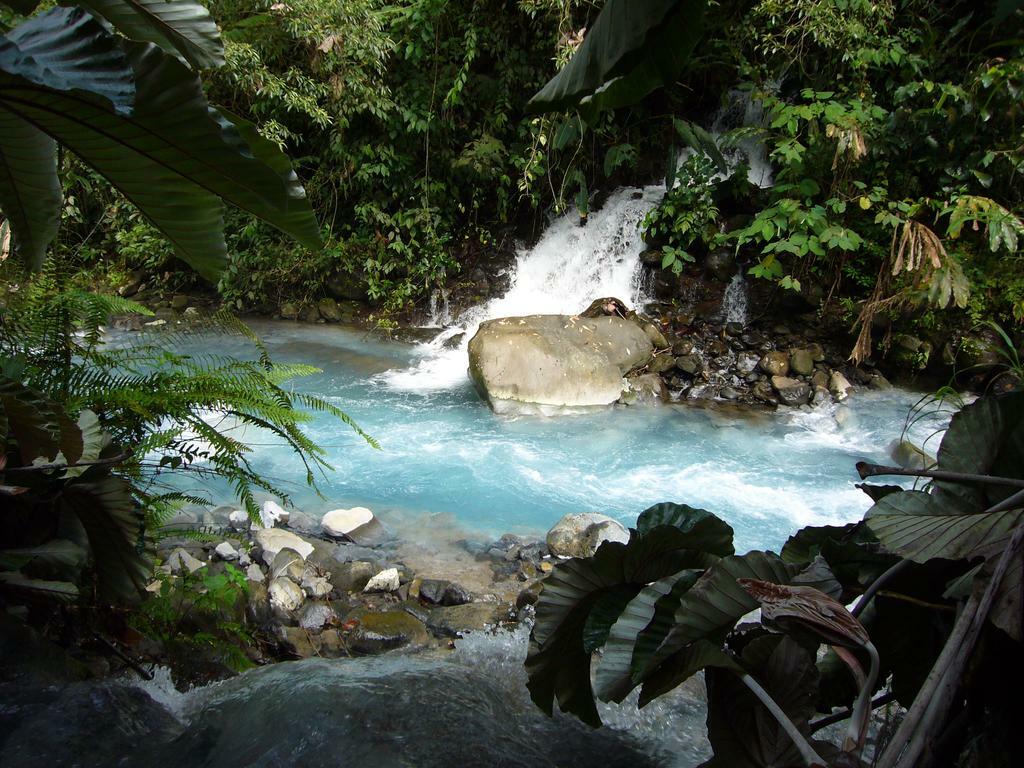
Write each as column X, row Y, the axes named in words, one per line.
column 866, row 470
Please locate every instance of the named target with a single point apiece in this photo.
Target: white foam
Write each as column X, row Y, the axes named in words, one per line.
column 566, row 270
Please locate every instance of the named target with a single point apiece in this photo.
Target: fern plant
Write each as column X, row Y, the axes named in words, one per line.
column 171, row 409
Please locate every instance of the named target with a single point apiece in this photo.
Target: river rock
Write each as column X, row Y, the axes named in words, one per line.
column 661, row 364
column 358, row 524
column 316, row 616
column 273, row 540
column 329, row 310
column 839, row 386
column 580, row 534
column 225, row 551
column 682, row 347
column 801, row 362
column 180, row 562
column 646, row 389
column 909, row 456
column 285, row 595
column 775, row 363
column 315, row 586
column 555, row 360
column 239, row 520
column 272, row 514
column 254, row 574
column 819, row 380
column 440, row 592
column 455, row 620
column 656, row 336
column 791, row 391
column 351, row 576
column 379, row 632
column 288, row 563
column 387, row 580
column 747, row 362
column 691, row 364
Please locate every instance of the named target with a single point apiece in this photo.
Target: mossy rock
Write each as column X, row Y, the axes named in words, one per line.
column 378, row 632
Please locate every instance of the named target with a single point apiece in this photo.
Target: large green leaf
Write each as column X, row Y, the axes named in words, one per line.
column 61, row 591
column 30, row 195
column 115, row 529
column 173, row 156
column 702, row 529
column 182, row 27
column 743, row 733
column 58, row 553
column 613, row 679
column 710, row 609
column 583, row 598
column 631, row 49
column 31, row 421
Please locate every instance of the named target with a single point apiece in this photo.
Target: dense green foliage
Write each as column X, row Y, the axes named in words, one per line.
column 670, row 602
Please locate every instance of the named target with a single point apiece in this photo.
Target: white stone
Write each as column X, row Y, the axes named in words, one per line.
column 580, row 534
column 180, row 561
column 254, row 574
column 243, row 559
column 285, row 595
column 225, row 551
column 288, row 563
column 339, row 523
column 385, row 581
column 273, row 540
column 239, row 520
column 839, row 386
column 316, row 586
column 273, row 514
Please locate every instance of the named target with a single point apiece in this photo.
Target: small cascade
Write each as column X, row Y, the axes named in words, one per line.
column 440, row 311
column 741, row 111
column 734, row 301
column 569, row 267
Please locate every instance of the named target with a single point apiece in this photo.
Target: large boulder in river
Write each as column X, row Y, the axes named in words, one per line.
column 556, row 360
column 579, row 535
column 357, row 524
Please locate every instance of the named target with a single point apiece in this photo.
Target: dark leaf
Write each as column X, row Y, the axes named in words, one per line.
column 115, row 530
column 631, row 49
column 61, row 591
column 700, row 529
column 701, row 141
column 877, row 492
column 181, row 27
column 30, row 195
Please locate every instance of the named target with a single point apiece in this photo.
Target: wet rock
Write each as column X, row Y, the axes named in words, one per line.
column 879, row 382
column 646, row 389
column 317, row 616
column 762, row 390
column 296, row 641
column 288, row 563
column 747, row 362
column 910, row 456
column 385, row 631
column 329, row 310
column 455, row 620
column 682, row 347
column 801, row 362
column 440, row 592
column 357, row 524
column 791, row 392
column 273, row 540
column 730, row 393
column 661, row 364
column 580, row 534
column 387, row 580
column 819, row 380
column 839, row 386
column 775, row 363
column 285, row 595
column 820, row 396
column 691, row 364
column 656, row 336
column 309, row 314
column 289, row 311
column 555, row 360
column 721, row 264
column 179, row 301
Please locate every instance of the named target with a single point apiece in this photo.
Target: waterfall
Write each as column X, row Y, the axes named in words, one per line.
column 741, row 111
column 440, row 312
column 568, row 268
column 734, row 302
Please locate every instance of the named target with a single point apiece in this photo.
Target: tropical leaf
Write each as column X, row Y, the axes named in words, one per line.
column 181, row 27
column 30, row 195
column 852, row 552
column 613, row 679
column 700, row 140
column 694, row 528
column 742, row 732
column 173, row 156
column 710, row 609
column 61, row 591
column 631, row 49
column 115, row 530
column 31, row 420
column 58, row 552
